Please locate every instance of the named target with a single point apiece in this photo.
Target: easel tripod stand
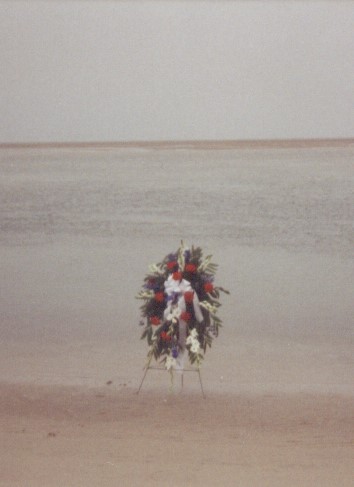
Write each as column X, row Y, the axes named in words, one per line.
column 150, row 367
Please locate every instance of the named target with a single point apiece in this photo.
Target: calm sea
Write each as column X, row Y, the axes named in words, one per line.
column 300, row 200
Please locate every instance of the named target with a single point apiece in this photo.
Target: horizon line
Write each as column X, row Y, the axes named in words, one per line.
column 190, row 144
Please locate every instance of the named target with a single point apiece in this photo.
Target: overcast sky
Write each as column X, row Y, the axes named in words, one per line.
column 159, row 70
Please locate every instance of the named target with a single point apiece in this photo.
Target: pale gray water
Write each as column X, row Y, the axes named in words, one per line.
column 79, row 228
column 301, row 200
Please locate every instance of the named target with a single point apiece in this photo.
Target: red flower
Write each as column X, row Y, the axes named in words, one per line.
column 159, row 297
column 171, row 265
column 165, row 336
column 188, row 296
column 190, row 268
column 155, row 320
column 177, row 276
column 208, row 287
column 185, row 316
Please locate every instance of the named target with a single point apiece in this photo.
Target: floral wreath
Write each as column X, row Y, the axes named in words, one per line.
column 179, row 313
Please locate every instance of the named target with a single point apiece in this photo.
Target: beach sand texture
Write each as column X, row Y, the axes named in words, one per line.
column 78, row 230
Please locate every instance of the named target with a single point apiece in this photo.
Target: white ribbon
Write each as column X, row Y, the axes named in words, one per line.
column 176, row 287
column 176, row 305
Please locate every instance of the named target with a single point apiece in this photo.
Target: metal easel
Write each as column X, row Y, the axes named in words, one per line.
column 150, row 367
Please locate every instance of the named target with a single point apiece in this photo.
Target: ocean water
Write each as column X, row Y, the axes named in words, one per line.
column 299, row 200
column 79, row 227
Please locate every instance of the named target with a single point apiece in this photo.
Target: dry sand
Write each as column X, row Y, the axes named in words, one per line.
column 61, row 436
column 79, row 228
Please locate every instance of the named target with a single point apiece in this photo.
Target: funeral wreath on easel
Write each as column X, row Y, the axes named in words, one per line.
column 179, row 310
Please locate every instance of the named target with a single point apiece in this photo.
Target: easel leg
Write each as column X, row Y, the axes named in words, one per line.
column 201, row 384
column 182, row 382
column 142, row 380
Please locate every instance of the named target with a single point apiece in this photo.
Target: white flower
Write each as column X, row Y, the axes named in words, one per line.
column 209, row 307
column 174, row 315
column 170, row 362
column 192, row 338
column 193, row 341
column 205, row 263
column 145, row 295
column 194, row 333
column 195, row 348
column 154, row 269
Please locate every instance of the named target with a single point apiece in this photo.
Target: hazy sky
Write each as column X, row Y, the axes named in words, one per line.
column 139, row 70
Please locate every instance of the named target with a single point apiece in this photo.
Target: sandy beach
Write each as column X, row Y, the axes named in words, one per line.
column 79, row 228
column 55, row 436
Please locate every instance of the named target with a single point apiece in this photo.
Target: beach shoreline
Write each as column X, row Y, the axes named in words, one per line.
column 196, row 145
column 54, row 436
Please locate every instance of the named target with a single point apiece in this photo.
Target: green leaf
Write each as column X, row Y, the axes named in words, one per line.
column 223, row 290
column 144, row 334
